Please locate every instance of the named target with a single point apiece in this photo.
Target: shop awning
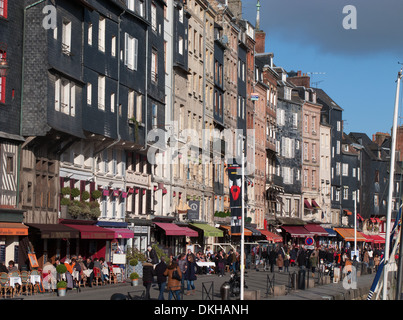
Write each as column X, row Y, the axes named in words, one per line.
column 316, row 229
column 208, row 230
column 171, row 229
column 348, row 234
column 122, row 233
column 297, row 231
column 255, row 232
column 190, row 232
column 271, row 236
column 55, row 231
column 246, row 232
column 315, row 205
column 13, row 229
column 93, row 232
column 331, row 232
column 376, row 239
column 347, row 212
column 307, row 205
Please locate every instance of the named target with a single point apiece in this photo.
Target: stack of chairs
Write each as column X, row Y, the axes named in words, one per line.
column 5, row 287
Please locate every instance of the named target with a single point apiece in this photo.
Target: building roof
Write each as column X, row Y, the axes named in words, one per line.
column 325, row 100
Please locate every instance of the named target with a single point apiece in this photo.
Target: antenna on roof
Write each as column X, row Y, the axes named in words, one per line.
column 315, row 84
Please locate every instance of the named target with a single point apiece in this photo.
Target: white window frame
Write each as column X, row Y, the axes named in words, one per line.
column 66, row 37
column 131, row 52
column 101, row 92
column 101, row 34
column 154, row 17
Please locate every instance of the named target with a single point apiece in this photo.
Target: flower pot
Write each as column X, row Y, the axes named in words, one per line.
column 61, row 292
column 135, row 282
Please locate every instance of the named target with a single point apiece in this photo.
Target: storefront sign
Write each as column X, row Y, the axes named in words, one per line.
column 193, row 212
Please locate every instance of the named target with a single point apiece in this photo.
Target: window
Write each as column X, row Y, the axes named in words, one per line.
column 90, row 34
column 130, row 4
column 345, row 169
column 295, row 120
column 65, row 96
column 139, row 108
column 66, row 37
column 345, row 193
column 131, row 52
column 154, row 17
column 9, row 164
column 3, row 8
column 154, row 66
column 287, row 93
column 313, row 152
column 338, row 126
column 113, row 46
column 181, row 15
column 101, row 92
column 112, row 102
column 154, row 120
column 130, row 104
column 89, row 93
column 180, row 44
column 306, row 123
column 305, row 178
column 314, row 125
column 101, row 34
column 313, row 182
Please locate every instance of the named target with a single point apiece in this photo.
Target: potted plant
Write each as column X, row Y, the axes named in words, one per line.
column 61, row 288
column 61, row 285
column 96, row 194
column 134, row 277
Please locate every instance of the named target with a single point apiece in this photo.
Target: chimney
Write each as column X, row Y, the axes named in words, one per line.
column 300, row 80
column 260, row 38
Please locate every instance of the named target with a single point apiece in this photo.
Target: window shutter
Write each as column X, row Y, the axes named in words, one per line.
column 126, row 49
column 73, row 100
column 135, row 53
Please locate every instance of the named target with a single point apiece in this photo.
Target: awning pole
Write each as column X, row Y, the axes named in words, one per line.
column 242, row 228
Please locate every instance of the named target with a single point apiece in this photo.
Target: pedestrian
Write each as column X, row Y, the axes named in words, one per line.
column 280, row 262
column 286, row 260
column 152, row 254
column 174, row 285
column 12, row 267
column 377, row 260
column 148, row 276
column 220, row 263
column 190, row 275
column 272, row 259
column 89, row 264
column 313, row 261
column 161, row 278
column 301, row 259
column 232, row 260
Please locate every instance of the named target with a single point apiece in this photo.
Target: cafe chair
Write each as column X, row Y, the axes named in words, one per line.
column 26, row 282
column 112, row 276
column 5, row 285
column 16, row 289
column 36, row 285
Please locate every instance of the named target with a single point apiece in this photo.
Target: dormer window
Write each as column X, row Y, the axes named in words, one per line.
column 287, row 93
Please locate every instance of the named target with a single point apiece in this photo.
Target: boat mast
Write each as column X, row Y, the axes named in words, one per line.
column 391, row 185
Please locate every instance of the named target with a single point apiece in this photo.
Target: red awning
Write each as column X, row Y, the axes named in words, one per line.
column 307, row 205
column 297, row 231
column 171, row 229
column 190, row 232
column 316, row 229
column 92, row 232
column 359, row 217
column 373, row 238
column 122, row 233
column 271, row 236
column 315, row 205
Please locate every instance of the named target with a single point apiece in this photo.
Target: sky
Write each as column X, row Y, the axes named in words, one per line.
column 352, row 55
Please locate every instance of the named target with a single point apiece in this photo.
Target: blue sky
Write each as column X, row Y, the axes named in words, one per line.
column 359, row 66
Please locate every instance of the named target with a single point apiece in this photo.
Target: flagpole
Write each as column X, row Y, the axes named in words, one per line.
column 355, row 225
column 391, row 183
column 242, row 224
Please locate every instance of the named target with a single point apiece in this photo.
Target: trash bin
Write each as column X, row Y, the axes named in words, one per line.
column 225, row 290
column 301, row 279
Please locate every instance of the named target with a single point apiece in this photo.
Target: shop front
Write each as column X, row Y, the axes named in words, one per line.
column 51, row 240
column 347, row 237
column 207, row 234
column 94, row 241
column 173, row 238
column 295, row 234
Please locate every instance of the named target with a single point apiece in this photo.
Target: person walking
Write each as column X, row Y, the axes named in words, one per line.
column 161, row 278
column 220, row 262
column 148, row 276
column 272, row 259
column 313, row 262
column 280, row 262
column 190, row 275
column 286, row 260
column 182, row 263
column 174, row 285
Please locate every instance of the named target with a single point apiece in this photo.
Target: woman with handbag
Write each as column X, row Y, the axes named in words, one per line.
column 174, row 279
